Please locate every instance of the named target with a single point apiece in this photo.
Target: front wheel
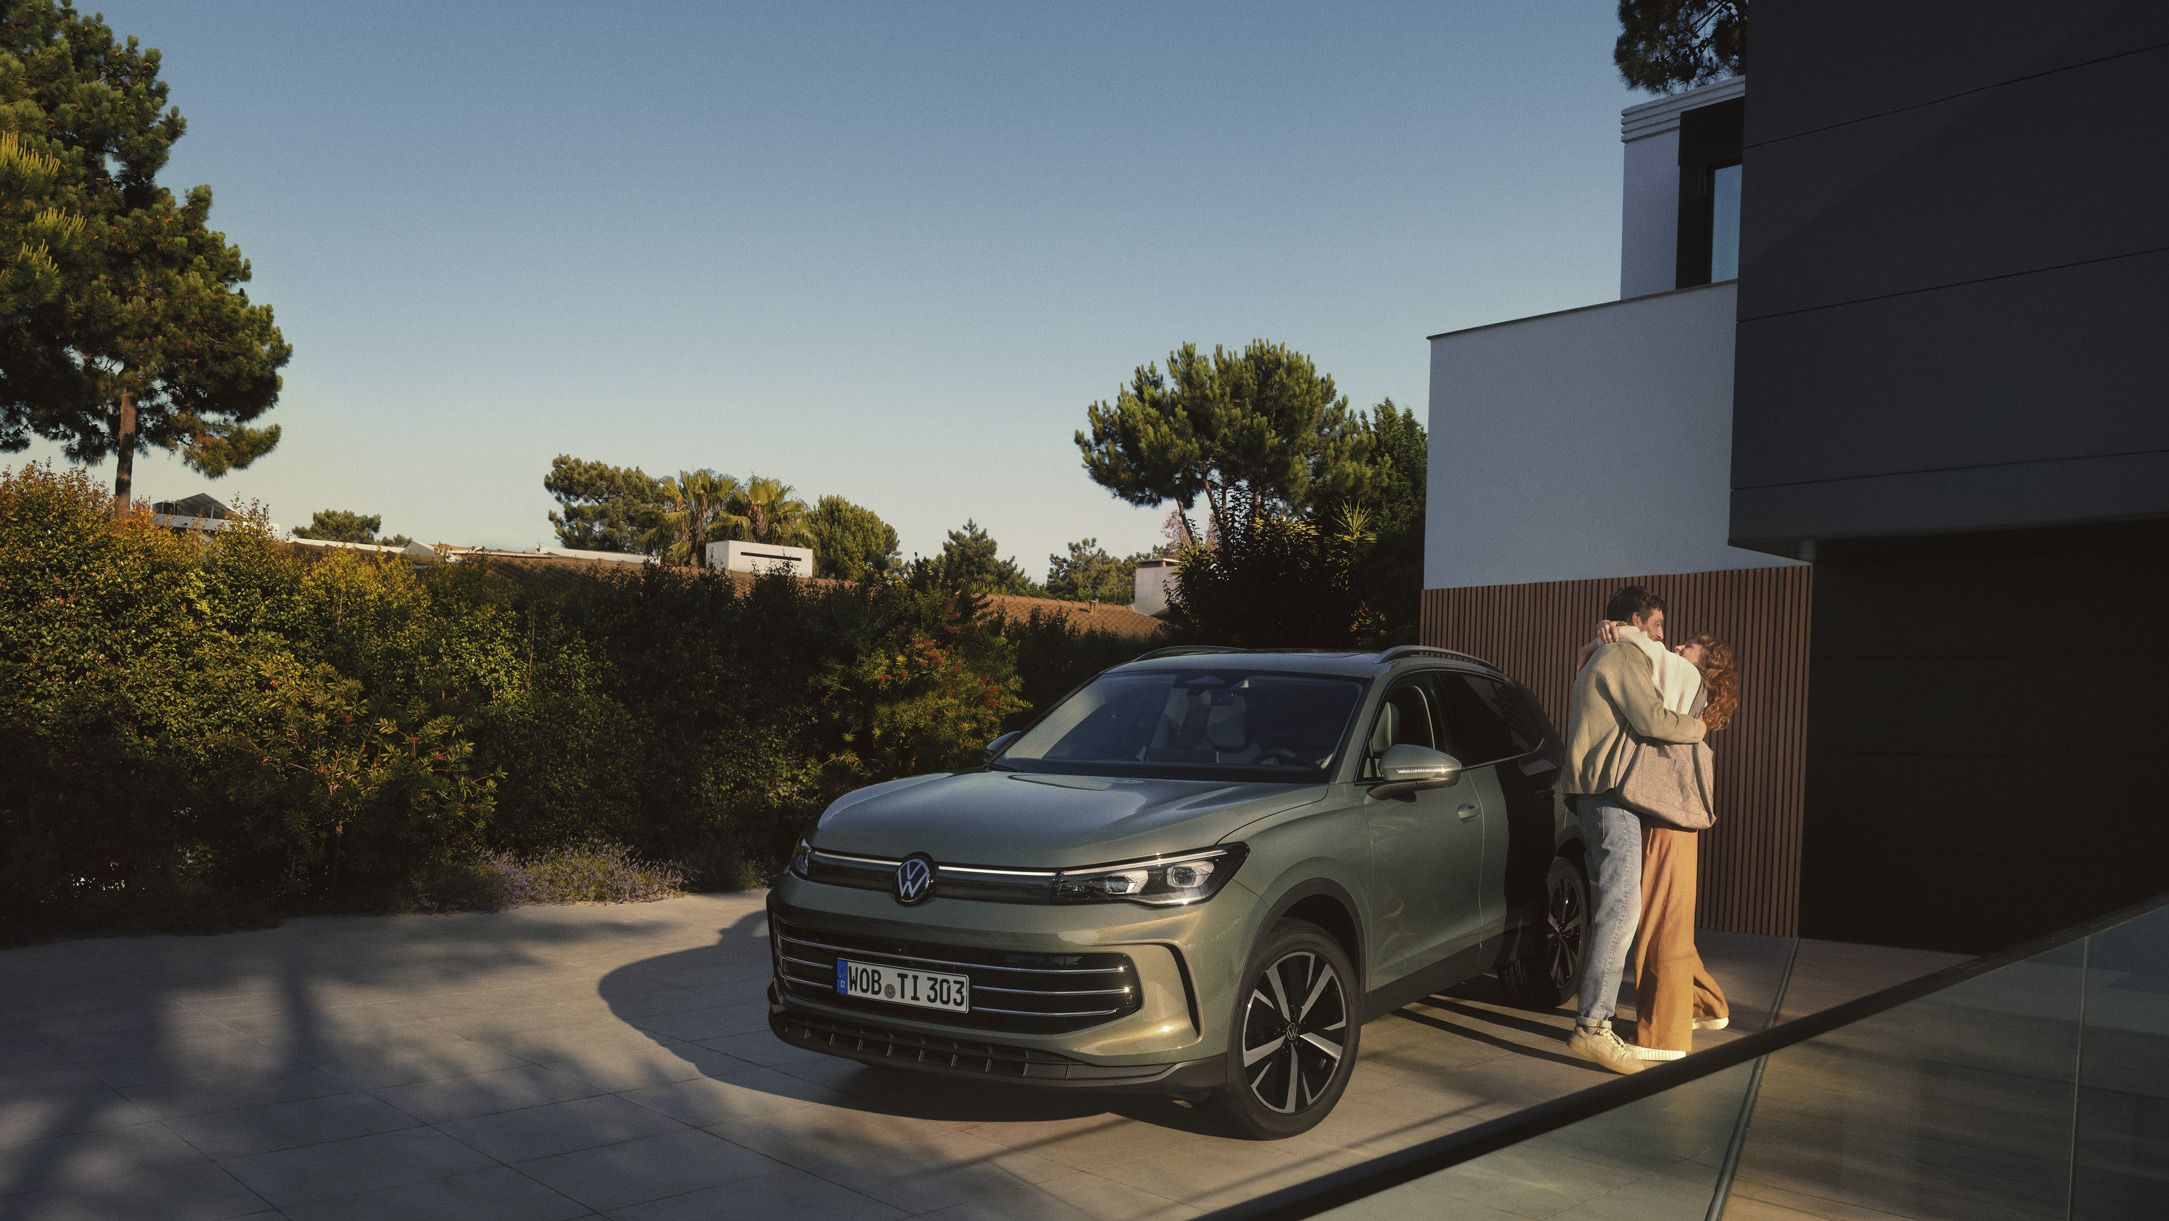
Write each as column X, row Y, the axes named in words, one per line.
column 1546, row 962
column 1294, row 1039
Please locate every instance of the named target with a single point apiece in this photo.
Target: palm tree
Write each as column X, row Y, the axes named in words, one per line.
column 698, row 506
column 770, row 513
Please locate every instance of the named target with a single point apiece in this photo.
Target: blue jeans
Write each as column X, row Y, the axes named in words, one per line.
column 1612, row 835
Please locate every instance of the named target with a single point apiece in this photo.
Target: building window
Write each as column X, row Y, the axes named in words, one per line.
column 1725, row 223
column 1710, row 139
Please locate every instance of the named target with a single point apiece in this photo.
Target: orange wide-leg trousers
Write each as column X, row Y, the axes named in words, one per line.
column 1671, row 986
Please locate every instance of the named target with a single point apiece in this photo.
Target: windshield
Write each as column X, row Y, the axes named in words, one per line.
column 1221, row 724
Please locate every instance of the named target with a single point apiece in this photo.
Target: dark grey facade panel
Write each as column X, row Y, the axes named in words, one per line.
column 2043, row 172
column 2008, row 497
column 1980, row 709
column 1822, row 62
column 2062, row 364
column 1954, row 278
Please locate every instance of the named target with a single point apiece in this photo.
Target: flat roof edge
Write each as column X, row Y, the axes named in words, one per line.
column 1583, row 309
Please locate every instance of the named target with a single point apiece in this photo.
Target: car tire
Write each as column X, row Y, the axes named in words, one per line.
column 1299, row 980
column 1545, row 964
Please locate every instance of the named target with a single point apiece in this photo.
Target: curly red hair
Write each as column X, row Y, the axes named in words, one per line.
column 1721, row 674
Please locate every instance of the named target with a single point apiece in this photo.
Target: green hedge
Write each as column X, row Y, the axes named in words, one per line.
column 198, row 732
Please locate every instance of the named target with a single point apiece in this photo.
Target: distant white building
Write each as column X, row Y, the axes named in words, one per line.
column 575, row 553
column 1150, row 596
column 735, row 556
column 421, row 552
column 200, row 513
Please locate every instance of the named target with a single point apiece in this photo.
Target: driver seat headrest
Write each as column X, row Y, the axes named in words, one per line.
column 1226, row 726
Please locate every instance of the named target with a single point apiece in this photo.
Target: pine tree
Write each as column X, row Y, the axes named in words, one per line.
column 1254, row 432
column 1665, row 45
column 124, row 323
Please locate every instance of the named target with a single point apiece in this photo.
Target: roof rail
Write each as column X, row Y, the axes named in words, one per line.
column 1409, row 650
column 1186, row 650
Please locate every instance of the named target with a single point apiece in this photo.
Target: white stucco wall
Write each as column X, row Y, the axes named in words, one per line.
column 1649, row 213
column 1151, row 589
column 1593, row 443
column 736, row 556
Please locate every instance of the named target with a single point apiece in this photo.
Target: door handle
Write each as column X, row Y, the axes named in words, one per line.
column 1467, row 812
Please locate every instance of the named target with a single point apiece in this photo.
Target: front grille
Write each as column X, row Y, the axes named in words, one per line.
column 1014, row 992
column 950, row 881
column 935, row 1051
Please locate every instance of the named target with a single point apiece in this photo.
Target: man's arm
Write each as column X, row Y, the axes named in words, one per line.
column 1632, row 689
column 1603, row 637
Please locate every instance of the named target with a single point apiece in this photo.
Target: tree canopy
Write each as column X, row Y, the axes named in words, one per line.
column 1315, row 513
column 1086, row 572
column 699, row 507
column 769, row 513
column 1666, row 45
column 602, row 507
column 341, row 526
column 850, row 542
column 971, row 562
column 623, row 508
column 124, row 323
column 1254, row 432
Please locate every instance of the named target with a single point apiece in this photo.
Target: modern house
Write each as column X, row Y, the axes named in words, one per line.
column 1592, row 448
column 1913, row 461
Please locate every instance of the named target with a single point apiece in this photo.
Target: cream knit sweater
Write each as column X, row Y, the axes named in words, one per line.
column 1678, row 680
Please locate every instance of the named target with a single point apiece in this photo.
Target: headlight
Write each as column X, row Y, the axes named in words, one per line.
column 802, row 858
column 1164, row 881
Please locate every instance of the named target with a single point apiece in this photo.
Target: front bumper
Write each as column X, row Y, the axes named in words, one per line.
column 876, row 1044
column 1169, row 1040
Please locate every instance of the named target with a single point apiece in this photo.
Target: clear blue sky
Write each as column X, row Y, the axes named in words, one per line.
column 889, row 251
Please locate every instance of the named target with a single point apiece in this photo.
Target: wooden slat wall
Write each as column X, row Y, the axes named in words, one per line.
column 1750, row 869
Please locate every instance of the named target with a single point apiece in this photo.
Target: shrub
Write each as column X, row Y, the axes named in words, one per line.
column 205, row 731
column 575, row 873
column 1236, row 593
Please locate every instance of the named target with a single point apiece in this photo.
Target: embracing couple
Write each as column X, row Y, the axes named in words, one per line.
column 1639, row 770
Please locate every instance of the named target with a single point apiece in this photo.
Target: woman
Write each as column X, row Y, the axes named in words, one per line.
column 1674, row 993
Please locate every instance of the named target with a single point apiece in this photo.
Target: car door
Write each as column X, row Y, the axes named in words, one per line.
column 1494, row 729
column 1426, row 847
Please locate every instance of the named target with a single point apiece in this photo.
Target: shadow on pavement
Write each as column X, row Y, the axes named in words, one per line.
column 742, row 952
column 144, row 1076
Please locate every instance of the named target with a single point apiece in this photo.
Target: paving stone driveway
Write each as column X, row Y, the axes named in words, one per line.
column 560, row 1062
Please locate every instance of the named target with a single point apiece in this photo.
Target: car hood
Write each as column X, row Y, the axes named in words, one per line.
column 1038, row 821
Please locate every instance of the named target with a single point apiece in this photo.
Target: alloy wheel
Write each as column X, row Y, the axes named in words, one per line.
column 1565, row 924
column 1294, row 1031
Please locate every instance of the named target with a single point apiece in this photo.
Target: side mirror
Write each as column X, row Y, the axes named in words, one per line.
column 1407, row 769
column 998, row 745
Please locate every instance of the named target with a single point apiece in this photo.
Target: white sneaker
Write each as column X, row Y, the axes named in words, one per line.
column 1715, row 1023
column 1602, row 1046
column 1652, row 1053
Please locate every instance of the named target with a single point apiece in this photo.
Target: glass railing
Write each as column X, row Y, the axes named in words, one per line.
column 2029, row 1084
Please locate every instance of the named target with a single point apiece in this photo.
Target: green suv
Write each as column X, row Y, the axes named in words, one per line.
column 1197, row 874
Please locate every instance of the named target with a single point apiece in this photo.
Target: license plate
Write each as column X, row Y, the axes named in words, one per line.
column 880, row 981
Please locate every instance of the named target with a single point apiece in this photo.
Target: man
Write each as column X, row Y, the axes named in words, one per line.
column 1615, row 702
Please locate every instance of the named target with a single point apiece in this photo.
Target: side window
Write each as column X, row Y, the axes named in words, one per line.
column 1526, row 719
column 1406, row 718
column 1486, row 721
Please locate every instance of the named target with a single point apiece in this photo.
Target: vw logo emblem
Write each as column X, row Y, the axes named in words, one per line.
column 915, row 879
